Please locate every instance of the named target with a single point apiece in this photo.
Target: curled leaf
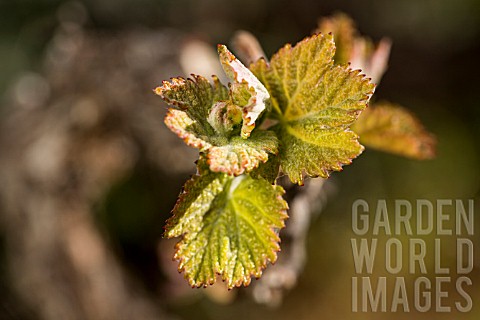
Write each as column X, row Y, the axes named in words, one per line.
column 239, row 155
column 187, row 129
column 233, row 155
column 195, row 96
column 246, row 90
column 208, row 117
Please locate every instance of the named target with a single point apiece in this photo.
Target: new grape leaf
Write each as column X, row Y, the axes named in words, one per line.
column 360, row 51
column 205, row 119
column 391, row 128
column 315, row 102
column 246, row 90
column 229, row 226
column 345, row 34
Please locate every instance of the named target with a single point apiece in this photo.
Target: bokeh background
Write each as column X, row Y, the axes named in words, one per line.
column 89, row 173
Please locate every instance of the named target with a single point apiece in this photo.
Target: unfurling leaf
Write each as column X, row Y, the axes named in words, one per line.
column 315, row 103
column 343, row 29
column 246, row 90
column 233, row 155
column 391, row 128
column 355, row 49
column 206, row 121
column 194, row 96
column 241, row 155
column 229, row 226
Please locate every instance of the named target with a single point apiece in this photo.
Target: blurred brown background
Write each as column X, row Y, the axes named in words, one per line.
column 89, row 173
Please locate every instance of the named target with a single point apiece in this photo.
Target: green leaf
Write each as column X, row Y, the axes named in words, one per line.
column 314, row 154
column 194, row 96
column 241, row 155
column 205, row 119
column 229, row 226
column 391, row 128
column 246, row 90
column 194, row 134
column 315, row 103
column 232, row 155
column 268, row 170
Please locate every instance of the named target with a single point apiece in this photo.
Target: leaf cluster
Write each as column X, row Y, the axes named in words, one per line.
column 229, row 214
column 294, row 115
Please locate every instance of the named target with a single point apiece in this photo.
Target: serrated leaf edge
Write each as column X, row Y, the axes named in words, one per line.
column 246, row 280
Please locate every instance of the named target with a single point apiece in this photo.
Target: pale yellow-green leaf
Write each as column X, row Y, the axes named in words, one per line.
column 315, row 103
column 229, row 226
column 391, row 128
